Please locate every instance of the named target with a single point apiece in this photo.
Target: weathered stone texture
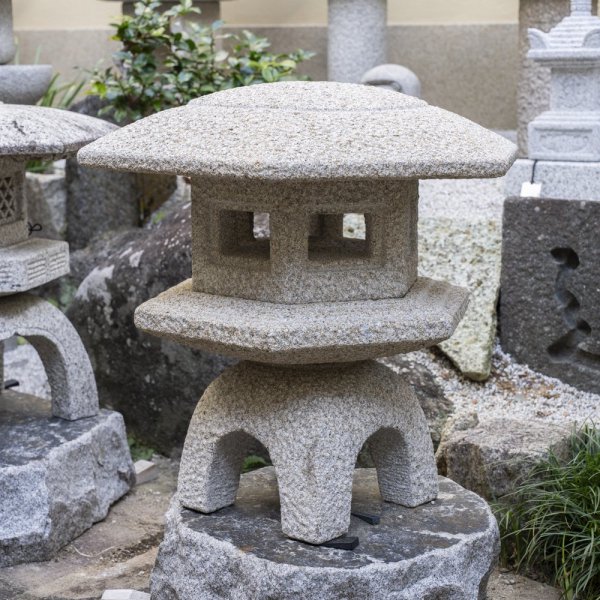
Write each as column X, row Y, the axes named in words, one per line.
column 57, row 477
column 240, row 552
column 491, row 457
column 550, row 295
column 393, row 77
column 313, row 421
column 154, row 383
column 70, row 374
column 356, row 38
column 362, row 134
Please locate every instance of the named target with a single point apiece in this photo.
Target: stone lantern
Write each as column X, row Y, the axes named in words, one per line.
column 551, row 215
column 64, row 463
column 307, row 310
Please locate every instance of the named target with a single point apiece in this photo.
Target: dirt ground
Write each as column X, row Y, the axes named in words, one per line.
column 120, row 551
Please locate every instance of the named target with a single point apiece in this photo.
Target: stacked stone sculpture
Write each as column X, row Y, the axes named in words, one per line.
column 307, row 310
column 357, row 47
column 61, row 465
column 550, row 246
column 19, row 84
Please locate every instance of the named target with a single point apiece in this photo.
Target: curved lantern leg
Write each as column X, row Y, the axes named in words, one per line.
column 70, row 374
column 313, row 420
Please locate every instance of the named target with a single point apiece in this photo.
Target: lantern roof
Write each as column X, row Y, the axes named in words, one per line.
column 305, row 130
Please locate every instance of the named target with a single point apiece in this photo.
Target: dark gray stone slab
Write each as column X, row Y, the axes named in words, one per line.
column 57, row 477
column 550, row 293
column 443, row 549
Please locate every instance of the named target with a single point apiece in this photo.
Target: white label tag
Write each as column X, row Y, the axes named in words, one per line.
column 531, row 190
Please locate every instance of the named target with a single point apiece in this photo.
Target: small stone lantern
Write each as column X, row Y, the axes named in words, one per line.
column 62, row 463
column 307, row 309
column 570, row 130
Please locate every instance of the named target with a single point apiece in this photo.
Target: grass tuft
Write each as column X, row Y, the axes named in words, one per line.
column 551, row 523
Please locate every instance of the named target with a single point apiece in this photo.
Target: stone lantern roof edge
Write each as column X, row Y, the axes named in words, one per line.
column 40, row 132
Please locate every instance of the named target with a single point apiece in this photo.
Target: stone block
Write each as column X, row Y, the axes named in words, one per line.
column 337, row 409
column 32, row 263
column 46, row 195
column 550, row 294
column 559, row 179
column 57, row 477
column 356, row 38
column 442, row 549
column 305, row 333
column 491, row 457
column 72, row 385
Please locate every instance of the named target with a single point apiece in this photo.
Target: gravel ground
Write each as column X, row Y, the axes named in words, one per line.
column 513, row 390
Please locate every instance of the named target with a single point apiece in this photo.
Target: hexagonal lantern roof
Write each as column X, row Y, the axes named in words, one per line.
column 305, row 130
column 38, row 132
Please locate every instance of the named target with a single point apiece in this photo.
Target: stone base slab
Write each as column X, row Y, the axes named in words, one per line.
column 444, row 549
column 57, row 477
column 32, row 263
column 559, row 179
column 305, row 333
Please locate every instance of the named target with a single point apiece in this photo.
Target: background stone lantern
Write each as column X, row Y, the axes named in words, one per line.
column 550, row 231
column 306, row 310
column 61, row 465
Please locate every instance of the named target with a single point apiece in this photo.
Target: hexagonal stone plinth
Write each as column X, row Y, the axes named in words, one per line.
column 443, row 549
column 305, row 333
column 57, row 477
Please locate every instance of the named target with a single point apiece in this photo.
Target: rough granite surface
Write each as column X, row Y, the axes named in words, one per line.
column 305, row 130
column 40, row 132
column 313, row 421
column 356, row 38
column 444, row 549
column 492, row 456
column 305, row 333
column 57, row 477
column 70, row 374
column 32, row 263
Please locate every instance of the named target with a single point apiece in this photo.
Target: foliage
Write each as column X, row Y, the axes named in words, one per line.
column 253, row 462
column 552, row 522
column 164, row 63
column 56, row 96
column 138, row 450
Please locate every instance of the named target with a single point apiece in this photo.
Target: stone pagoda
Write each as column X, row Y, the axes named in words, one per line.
column 307, row 310
column 550, row 239
column 62, row 463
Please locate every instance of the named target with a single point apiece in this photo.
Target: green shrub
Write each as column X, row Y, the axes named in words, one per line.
column 551, row 524
column 162, row 65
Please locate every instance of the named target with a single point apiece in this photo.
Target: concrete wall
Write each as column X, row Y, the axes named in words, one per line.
column 469, row 68
column 75, row 14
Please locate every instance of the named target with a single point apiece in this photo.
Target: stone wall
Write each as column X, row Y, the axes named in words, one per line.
column 468, row 69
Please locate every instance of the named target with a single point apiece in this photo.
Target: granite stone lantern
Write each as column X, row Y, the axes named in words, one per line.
column 307, row 310
column 63, row 463
column 550, row 241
